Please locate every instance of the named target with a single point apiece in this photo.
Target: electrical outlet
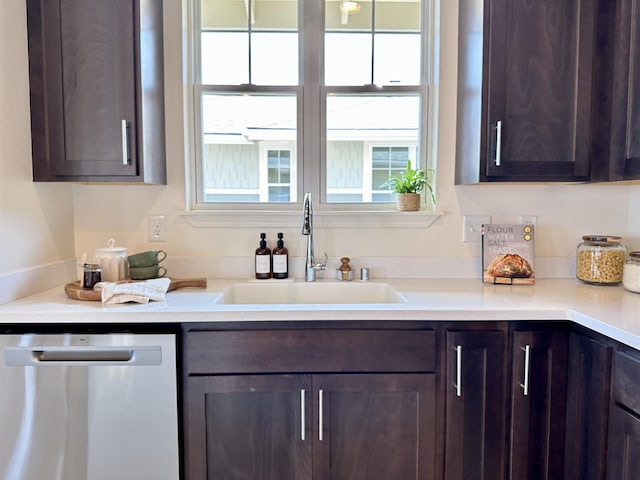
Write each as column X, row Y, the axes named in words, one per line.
column 157, row 228
column 472, row 227
column 528, row 220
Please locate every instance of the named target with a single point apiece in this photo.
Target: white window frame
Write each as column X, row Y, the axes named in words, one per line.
column 312, row 148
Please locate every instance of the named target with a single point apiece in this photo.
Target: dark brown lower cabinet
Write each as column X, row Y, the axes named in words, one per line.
column 588, row 393
column 306, row 404
column 476, row 405
column 538, row 402
column 623, row 462
column 249, row 427
column 340, row 427
column 374, row 427
column 623, row 453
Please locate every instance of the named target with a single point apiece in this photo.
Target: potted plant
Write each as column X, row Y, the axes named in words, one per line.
column 409, row 185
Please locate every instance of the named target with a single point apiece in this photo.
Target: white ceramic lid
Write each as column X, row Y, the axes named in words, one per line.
column 110, row 249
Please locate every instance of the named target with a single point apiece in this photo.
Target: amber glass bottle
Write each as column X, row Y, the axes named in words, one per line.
column 263, row 259
column 280, row 259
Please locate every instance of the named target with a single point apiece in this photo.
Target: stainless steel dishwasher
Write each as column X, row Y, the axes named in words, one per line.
column 88, row 407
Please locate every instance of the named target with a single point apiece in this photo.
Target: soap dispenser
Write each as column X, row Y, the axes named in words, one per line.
column 263, row 259
column 280, row 259
column 344, row 272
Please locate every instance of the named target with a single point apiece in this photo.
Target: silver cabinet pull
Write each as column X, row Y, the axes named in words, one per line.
column 125, row 143
column 458, row 383
column 320, row 414
column 527, row 360
column 498, row 142
column 302, row 419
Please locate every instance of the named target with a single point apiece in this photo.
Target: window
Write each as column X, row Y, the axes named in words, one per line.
column 307, row 95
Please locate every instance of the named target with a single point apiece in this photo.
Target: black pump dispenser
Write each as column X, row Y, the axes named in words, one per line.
column 263, row 259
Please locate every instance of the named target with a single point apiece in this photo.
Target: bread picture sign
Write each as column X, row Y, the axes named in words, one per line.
column 507, row 254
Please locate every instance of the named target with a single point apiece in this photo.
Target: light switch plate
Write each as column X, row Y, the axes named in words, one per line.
column 472, row 227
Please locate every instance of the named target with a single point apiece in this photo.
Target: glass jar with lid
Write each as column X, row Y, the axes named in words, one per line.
column 631, row 273
column 600, row 259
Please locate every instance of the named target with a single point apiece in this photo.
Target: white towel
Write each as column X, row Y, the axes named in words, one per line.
column 139, row 292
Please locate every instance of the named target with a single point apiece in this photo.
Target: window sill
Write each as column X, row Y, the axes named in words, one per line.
column 327, row 219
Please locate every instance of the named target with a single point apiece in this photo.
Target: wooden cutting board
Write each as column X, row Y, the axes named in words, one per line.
column 76, row 292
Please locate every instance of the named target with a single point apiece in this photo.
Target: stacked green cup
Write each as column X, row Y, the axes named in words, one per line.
column 146, row 265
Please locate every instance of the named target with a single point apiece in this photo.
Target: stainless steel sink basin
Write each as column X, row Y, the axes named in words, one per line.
column 271, row 292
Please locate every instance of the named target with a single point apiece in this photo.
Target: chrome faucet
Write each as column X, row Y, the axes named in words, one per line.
column 307, row 229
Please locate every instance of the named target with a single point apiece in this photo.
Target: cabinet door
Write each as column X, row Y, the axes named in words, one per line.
column 248, row 427
column 623, row 460
column 589, row 381
column 624, row 156
column 476, row 405
column 95, row 99
column 538, row 85
column 538, row 401
column 374, row 426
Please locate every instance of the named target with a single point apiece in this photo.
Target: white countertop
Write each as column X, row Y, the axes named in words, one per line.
column 609, row 310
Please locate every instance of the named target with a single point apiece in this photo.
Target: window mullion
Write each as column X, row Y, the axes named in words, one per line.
column 311, row 128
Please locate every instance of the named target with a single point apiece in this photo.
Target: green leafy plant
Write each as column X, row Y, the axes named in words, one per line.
column 413, row 180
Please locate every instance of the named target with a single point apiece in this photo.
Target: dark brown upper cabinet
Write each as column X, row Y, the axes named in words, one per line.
column 616, row 134
column 525, row 78
column 97, row 90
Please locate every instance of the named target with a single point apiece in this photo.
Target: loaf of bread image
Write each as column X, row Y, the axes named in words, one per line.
column 509, row 265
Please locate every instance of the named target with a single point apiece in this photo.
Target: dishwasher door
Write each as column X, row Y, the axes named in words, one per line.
column 88, row 407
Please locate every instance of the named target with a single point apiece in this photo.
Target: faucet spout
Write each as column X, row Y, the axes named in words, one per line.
column 307, row 230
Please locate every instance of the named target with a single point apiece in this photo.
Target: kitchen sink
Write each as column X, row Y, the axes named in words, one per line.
column 330, row 292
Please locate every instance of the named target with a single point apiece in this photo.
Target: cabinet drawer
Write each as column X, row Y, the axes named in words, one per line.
column 626, row 381
column 310, row 351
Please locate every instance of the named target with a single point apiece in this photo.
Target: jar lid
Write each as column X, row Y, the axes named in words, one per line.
column 635, row 255
column 602, row 239
column 111, row 249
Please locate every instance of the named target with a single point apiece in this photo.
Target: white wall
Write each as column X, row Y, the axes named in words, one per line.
column 36, row 220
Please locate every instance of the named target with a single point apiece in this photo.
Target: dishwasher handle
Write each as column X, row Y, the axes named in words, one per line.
column 82, row 356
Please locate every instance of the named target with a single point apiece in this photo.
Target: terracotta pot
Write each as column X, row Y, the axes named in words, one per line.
column 408, row 202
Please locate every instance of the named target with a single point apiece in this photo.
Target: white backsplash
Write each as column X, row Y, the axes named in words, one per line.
column 379, row 267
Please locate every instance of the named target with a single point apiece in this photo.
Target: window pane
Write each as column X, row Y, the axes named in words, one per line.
column 390, row 65
column 225, row 58
column 274, row 58
column 235, row 131
column 398, row 15
column 369, row 137
column 223, row 14
column 347, row 59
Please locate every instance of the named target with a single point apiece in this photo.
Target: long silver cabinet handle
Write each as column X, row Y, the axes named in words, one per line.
column 458, row 383
column 498, row 158
column 125, row 143
column 79, row 356
column 302, row 419
column 320, row 414
column 527, row 365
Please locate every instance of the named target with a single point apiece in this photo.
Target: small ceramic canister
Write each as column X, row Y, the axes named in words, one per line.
column 113, row 261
